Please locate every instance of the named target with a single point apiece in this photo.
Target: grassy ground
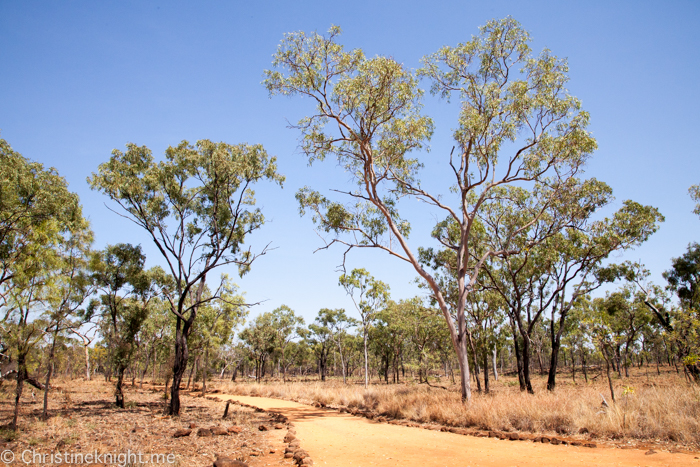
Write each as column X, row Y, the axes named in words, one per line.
column 651, row 409
column 84, row 420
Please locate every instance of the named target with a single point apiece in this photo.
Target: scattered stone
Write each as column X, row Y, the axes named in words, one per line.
column 306, row 461
column 181, row 433
column 576, row 443
column 228, row 462
column 234, row 429
column 263, row 428
column 204, row 432
column 279, row 426
column 544, row 439
column 219, row 431
column 254, row 453
column 299, row 455
column 555, row 441
column 272, row 451
column 193, row 425
column 589, row 445
column 513, row 436
column 288, row 455
column 651, row 451
column 289, row 438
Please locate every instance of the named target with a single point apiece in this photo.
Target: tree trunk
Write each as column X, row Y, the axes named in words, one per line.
column 118, row 392
column 205, row 370
column 49, row 371
column 21, row 376
column 322, row 367
column 476, row 362
column 607, row 368
column 180, row 364
column 364, row 337
column 486, row 370
column 87, row 362
column 526, row 365
column 553, row 362
column 494, row 363
column 189, row 379
column 519, row 362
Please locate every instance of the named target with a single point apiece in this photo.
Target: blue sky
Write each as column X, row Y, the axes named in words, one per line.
column 82, row 78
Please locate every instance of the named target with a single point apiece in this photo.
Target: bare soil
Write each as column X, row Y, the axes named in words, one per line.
column 339, row 439
column 83, row 419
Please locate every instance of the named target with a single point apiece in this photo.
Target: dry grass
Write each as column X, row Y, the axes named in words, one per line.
column 83, row 419
column 653, row 410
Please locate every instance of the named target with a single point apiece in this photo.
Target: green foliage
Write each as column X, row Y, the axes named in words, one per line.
column 684, row 277
column 36, row 212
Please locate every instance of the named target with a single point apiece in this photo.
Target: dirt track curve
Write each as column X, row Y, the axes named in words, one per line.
column 340, row 440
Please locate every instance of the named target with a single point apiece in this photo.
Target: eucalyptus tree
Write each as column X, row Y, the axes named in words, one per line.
column 260, row 338
column 423, row 327
column 320, row 339
column 127, row 295
column 338, row 323
column 154, row 339
column 681, row 322
column 286, row 325
column 196, row 206
column 392, row 334
column 369, row 295
column 561, row 257
column 35, row 208
column 218, row 321
column 38, row 216
column 70, row 287
column 517, row 125
column 22, row 331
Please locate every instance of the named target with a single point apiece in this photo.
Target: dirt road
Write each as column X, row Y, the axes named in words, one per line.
column 341, row 440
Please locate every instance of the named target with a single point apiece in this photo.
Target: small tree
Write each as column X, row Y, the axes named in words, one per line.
column 320, row 339
column 127, row 293
column 369, row 296
column 337, row 323
column 38, row 217
column 195, row 207
column 70, row 287
column 261, row 340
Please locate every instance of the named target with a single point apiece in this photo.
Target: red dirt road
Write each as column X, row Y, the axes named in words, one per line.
column 341, row 440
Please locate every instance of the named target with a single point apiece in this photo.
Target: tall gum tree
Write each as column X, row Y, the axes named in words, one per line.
column 517, row 125
column 38, row 218
column 196, row 207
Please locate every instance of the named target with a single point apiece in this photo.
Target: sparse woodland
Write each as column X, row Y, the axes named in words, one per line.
column 525, row 320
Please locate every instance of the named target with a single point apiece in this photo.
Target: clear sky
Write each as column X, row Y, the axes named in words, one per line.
column 78, row 79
